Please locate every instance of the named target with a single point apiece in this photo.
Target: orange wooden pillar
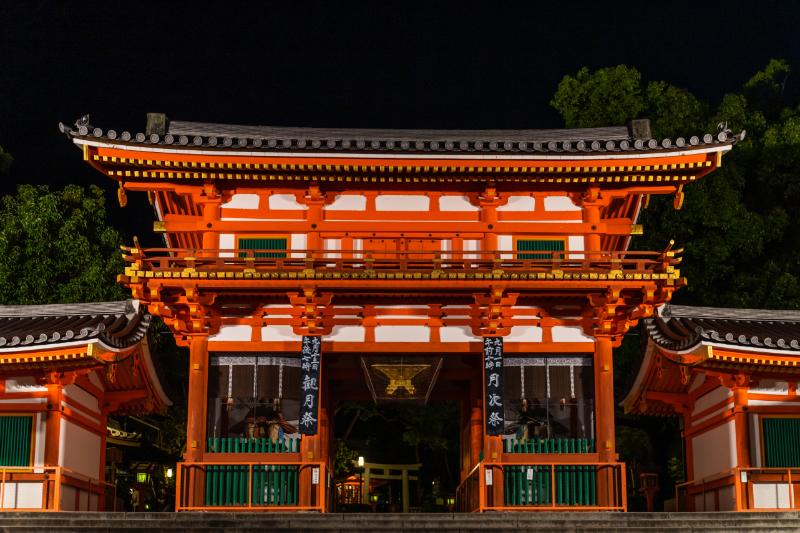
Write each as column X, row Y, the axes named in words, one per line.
column 52, row 436
column 604, row 417
column 742, row 437
column 194, row 478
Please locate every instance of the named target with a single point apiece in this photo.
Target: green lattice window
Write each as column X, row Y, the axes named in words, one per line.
column 543, row 246
column 781, row 438
column 15, row 440
column 262, row 244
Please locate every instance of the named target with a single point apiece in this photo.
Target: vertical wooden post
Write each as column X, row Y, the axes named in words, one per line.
column 740, row 423
column 604, row 416
column 211, row 214
column 405, row 490
column 196, row 419
column 52, row 436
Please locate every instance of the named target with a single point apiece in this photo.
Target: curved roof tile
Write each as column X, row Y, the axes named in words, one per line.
column 116, row 324
column 227, row 137
column 678, row 327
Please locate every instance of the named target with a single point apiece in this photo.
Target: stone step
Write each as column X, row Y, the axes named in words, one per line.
column 389, row 523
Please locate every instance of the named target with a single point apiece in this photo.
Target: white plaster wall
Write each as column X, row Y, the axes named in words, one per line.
column 698, row 379
column 347, row 334
column 559, row 203
column 82, row 397
column 714, row 450
column 95, row 380
column 227, row 242
column 471, row 245
column 402, row 334
column 456, row 203
column 285, row 201
column 457, row 334
column 233, row 333
column 770, row 495
column 348, row 202
column 711, row 398
column 570, row 334
column 23, row 495
column 402, row 202
column 524, row 334
column 24, row 384
column 278, row 333
column 40, row 425
column 242, row 201
column 575, row 243
column 298, row 241
column 518, row 203
column 771, row 386
column 505, row 243
column 79, row 449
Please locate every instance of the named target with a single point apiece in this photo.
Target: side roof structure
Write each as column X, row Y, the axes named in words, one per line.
column 102, row 335
column 717, row 340
column 115, row 325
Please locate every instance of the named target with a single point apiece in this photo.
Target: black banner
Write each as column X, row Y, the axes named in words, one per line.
column 493, row 385
column 309, row 385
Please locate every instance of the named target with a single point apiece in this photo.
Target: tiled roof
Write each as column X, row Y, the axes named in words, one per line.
column 680, row 328
column 229, row 137
column 116, row 324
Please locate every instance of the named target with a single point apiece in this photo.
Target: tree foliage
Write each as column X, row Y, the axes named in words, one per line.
column 738, row 225
column 56, row 247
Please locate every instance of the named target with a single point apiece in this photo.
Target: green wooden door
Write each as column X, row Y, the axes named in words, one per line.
column 543, row 246
column 15, row 440
column 264, row 244
column 781, row 442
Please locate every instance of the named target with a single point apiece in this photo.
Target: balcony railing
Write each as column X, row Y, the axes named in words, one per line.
column 289, row 486
column 742, row 489
column 544, row 486
column 42, row 489
column 376, row 264
column 252, row 445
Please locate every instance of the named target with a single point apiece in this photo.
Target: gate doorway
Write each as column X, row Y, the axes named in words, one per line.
column 396, row 458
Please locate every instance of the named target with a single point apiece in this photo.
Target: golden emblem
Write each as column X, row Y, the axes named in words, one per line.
column 400, row 376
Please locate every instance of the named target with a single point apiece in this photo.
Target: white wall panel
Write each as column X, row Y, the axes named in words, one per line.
column 402, row 202
column 348, row 202
column 714, row 451
column 770, row 495
column 242, row 201
column 524, row 334
column 711, row 398
column 278, row 333
column 457, row 334
column 346, row 334
column 559, row 203
column 23, row 495
column 285, row 201
column 79, row 449
column 518, row 203
column 82, row 397
column 233, row 333
column 570, row 334
column 456, row 203
column 402, row 334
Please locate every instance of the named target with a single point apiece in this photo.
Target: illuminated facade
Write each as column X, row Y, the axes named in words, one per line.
column 303, row 267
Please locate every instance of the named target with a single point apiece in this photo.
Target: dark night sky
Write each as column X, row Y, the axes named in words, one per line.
column 374, row 64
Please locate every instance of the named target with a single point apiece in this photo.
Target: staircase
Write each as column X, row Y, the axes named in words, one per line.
column 387, row 523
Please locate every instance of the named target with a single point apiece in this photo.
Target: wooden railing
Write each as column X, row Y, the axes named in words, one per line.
column 555, row 445
column 21, row 486
column 286, row 486
column 252, row 445
column 543, row 486
column 742, row 489
column 360, row 264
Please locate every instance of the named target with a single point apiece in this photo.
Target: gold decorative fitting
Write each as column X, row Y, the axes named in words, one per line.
column 159, row 226
column 637, row 229
column 122, row 197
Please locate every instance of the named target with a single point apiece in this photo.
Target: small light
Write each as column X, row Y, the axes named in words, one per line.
column 169, row 472
column 361, row 461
